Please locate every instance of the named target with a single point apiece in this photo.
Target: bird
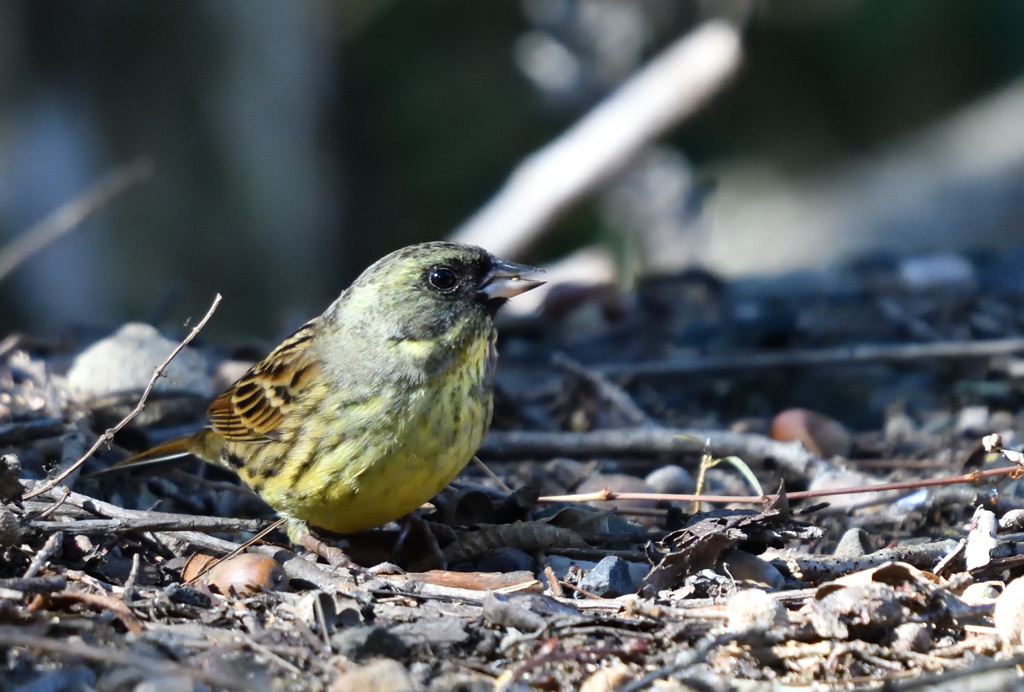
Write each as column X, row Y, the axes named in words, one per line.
column 368, row 410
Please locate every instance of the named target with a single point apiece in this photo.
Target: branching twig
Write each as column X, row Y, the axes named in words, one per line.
column 109, row 434
column 72, row 214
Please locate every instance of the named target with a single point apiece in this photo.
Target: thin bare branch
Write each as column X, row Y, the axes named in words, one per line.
column 71, row 215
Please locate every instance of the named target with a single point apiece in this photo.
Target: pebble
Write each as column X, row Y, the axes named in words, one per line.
column 608, row 679
column 820, row 434
column 744, row 566
column 247, row 574
column 125, row 361
column 367, row 640
column 1013, row 520
column 754, row 609
column 945, row 271
column 506, row 559
column 671, row 479
column 378, row 676
column 980, row 592
column 854, row 543
column 912, row 637
column 837, row 479
column 863, row 611
column 10, row 528
column 1008, row 616
column 973, row 421
column 610, row 578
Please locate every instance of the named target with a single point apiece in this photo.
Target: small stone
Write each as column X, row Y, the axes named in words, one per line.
column 610, row 578
column 843, row 478
column 167, row 683
column 912, row 637
column 384, row 675
column 979, row 593
column 561, row 565
column 854, row 543
column 671, row 480
column 608, row 679
column 744, row 566
column 1008, row 616
column 126, row 360
column 1013, row 520
column 754, row 609
column 10, row 528
column 940, row 271
column 363, row 641
column 247, row 574
column 973, row 421
column 11, row 488
column 820, row 434
column 506, row 559
column 864, row 611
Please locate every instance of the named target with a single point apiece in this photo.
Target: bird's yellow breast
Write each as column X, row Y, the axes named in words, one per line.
column 387, row 455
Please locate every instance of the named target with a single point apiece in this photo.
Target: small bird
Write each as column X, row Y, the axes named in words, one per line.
column 370, row 409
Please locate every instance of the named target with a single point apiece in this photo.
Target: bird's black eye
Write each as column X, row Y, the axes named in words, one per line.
column 442, row 278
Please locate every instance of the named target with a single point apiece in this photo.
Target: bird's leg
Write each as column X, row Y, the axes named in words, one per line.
column 299, row 534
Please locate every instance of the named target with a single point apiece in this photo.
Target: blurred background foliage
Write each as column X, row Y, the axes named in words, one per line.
column 295, row 142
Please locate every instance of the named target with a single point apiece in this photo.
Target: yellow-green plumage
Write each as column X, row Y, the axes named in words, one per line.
column 367, row 411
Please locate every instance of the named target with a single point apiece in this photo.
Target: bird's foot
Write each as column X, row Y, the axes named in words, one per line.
column 335, row 557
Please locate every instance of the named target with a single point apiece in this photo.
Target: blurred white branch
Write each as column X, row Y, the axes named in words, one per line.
column 666, row 91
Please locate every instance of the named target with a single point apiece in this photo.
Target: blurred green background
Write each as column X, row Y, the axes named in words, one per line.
column 295, row 142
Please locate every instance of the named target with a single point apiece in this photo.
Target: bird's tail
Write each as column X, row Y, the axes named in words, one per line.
column 159, row 456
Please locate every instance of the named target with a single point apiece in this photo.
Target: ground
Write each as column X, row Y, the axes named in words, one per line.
column 547, row 571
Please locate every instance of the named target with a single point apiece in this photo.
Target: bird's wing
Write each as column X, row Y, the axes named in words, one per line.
column 253, row 408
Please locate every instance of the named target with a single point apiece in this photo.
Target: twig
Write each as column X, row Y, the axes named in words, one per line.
column 35, row 585
column 72, row 214
column 502, row 486
column 148, row 521
column 818, row 568
column 651, row 441
column 133, row 575
column 109, row 434
column 666, row 91
column 102, row 602
column 607, row 495
column 237, row 551
column 39, row 560
column 863, row 353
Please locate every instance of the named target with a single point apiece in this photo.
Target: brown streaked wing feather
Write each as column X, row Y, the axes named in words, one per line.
column 253, row 408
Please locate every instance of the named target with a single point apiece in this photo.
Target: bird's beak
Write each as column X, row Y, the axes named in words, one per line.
column 505, row 280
